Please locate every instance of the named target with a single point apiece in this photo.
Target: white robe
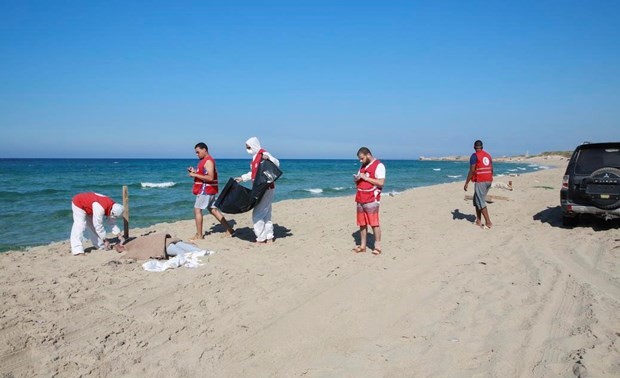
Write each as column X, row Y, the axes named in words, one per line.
column 92, row 223
column 261, row 215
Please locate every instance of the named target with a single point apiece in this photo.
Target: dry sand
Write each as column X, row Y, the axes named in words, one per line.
column 446, row 299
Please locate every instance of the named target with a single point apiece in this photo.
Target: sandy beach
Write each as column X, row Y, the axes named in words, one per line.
column 527, row 298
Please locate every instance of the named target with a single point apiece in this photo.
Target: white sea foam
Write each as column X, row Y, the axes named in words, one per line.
column 512, row 170
column 339, row 188
column 533, row 165
column 500, row 175
column 543, row 167
column 393, row 193
column 168, row 184
column 436, row 169
column 521, row 168
column 455, row 176
column 314, row 191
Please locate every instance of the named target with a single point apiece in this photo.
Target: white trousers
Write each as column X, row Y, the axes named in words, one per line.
column 261, row 217
column 82, row 222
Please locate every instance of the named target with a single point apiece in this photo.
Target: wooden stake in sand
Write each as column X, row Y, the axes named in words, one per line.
column 126, row 212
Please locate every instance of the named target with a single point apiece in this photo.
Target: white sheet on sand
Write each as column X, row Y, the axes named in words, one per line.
column 186, row 259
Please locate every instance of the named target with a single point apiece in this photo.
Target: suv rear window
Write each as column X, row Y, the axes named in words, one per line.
column 591, row 159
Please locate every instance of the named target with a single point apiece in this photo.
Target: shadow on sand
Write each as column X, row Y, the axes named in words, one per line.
column 247, row 233
column 553, row 217
column 370, row 238
column 456, row 214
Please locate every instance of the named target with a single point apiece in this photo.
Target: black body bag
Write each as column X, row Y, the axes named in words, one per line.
column 236, row 198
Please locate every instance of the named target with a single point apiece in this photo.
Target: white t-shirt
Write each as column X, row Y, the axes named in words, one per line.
column 379, row 172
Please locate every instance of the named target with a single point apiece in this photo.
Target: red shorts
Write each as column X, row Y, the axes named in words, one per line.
column 368, row 214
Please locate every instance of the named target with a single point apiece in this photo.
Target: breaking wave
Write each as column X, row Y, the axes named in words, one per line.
column 168, row 184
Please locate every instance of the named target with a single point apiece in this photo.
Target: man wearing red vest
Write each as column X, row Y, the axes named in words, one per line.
column 88, row 212
column 205, row 188
column 261, row 214
column 481, row 173
column 369, row 181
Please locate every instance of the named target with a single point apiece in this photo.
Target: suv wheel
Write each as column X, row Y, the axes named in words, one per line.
column 606, row 174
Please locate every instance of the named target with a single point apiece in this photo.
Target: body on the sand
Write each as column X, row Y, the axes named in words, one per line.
column 261, row 214
column 205, row 188
column 89, row 210
column 481, row 173
column 369, row 181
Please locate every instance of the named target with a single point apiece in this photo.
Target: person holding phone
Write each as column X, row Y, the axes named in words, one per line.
column 369, row 181
column 205, row 188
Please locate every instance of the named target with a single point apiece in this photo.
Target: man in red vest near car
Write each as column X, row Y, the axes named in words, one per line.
column 88, row 212
column 481, row 173
column 369, row 181
column 205, row 188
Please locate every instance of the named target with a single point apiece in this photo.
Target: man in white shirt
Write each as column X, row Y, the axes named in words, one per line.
column 369, row 181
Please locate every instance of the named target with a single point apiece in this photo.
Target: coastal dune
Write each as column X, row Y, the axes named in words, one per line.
column 526, row 298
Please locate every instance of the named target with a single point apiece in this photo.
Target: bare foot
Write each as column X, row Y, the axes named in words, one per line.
column 119, row 248
column 196, row 237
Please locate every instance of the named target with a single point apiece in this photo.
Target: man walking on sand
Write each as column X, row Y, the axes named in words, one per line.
column 205, row 188
column 88, row 212
column 369, row 180
column 261, row 215
column 481, row 173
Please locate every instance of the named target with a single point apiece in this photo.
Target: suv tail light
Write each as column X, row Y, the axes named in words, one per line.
column 565, row 182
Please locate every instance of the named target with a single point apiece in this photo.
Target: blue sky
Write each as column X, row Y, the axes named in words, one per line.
column 310, row 79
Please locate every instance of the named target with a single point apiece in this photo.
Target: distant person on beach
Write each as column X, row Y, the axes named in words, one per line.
column 205, row 188
column 369, row 180
column 481, row 173
column 89, row 209
column 261, row 214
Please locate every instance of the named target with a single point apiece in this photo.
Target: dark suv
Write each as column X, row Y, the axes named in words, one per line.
column 591, row 184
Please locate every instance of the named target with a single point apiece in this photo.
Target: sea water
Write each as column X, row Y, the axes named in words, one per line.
column 35, row 194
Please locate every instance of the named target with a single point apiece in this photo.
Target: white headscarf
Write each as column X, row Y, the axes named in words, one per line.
column 117, row 210
column 254, row 145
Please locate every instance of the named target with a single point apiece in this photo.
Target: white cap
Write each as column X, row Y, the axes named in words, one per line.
column 117, row 210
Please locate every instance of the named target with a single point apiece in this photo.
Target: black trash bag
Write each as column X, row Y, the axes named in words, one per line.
column 266, row 174
column 236, row 198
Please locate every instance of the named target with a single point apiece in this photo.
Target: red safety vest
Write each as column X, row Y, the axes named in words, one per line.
column 484, row 167
column 85, row 202
column 367, row 192
column 200, row 186
column 256, row 162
